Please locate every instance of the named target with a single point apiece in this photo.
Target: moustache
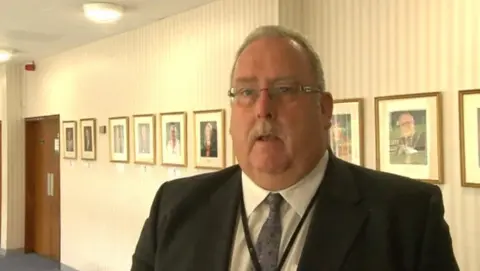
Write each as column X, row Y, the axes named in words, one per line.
column 264, row 128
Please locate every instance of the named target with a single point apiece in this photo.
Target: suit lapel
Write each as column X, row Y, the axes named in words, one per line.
column 336, row 221
column 213, row 250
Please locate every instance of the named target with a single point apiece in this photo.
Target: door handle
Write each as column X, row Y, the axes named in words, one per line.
column 48, row 184
column 52, row 184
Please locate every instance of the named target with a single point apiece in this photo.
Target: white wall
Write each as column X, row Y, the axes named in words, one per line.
column 13, row 181
column 177, row 64
column 368, row 47
column 376, row 47
column 3, row 98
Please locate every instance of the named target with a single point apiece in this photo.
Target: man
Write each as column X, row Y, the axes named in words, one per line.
column 242, row 218
column 340, row 143
column 410, row 138
column 411, row 146
column 144, row 140
column 118, row 138
column 70, row 141
column 87, row 138
column 209, row 143
column 173, row 142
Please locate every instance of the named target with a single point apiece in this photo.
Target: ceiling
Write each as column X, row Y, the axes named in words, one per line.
column 39, row 28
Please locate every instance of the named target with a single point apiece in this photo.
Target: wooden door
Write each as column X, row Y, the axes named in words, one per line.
column 42, row 173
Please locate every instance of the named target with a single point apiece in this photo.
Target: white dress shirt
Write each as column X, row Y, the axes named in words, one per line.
column 296, row 199
column 173, row 151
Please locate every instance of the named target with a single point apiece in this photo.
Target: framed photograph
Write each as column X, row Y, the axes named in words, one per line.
column 346, row 132
column 70, row 139
column 118, row 132
column 209, row 127
column 88, row 137
column 469, row 112
column 408, row 131
column 173, row 138
column 144, row 138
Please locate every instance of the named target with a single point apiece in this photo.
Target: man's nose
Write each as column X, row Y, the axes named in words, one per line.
column 264, row 105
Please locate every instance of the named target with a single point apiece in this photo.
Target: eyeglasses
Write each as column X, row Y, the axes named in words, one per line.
column 247, row 96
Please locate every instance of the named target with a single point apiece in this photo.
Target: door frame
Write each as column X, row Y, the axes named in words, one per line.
column 1, row 173
column 29, row 188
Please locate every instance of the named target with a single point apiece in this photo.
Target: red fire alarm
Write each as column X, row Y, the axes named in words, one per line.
column 30, row 66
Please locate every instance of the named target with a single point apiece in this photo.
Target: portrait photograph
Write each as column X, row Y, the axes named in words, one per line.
column 408, row 132
column 469, row 109
column 408, row 137
column 173, row 139
column 118, row 129
column 209, row 141
column 88, row 137
column 144, row 138
column 70, row 139
column 346, row 132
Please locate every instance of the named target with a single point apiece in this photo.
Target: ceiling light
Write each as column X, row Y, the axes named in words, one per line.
column 103, row 12
column 5, row 55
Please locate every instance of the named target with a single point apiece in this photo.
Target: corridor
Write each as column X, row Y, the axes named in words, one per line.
column 27, row 262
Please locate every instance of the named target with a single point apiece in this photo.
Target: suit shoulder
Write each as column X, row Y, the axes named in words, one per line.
column 173, row 193
column 196, row 181
column 374, row 181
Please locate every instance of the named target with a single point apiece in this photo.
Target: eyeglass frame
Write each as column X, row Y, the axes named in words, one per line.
column 300, row 89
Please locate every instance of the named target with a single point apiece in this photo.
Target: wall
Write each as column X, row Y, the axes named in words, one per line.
column 375, row 47
column 179, row 63
column 13, row 184
column 3, row 91
column 369, row 48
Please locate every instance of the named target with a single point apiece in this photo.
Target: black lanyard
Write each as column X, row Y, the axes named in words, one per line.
column 248, row 237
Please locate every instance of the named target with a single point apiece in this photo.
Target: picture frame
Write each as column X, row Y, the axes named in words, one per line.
column 144, row 139
column 234, row 158
column 69, row 139
column 88, row 139
column 209, row 140
column 119, row 139
column 469, row 130
column 409, row 139
column 173, row 138
column 346, row 132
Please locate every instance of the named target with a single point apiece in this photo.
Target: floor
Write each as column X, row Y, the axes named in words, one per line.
column 27, row 262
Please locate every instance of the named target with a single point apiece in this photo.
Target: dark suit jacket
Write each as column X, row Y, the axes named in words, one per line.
column 364, row 220
column 213, row 152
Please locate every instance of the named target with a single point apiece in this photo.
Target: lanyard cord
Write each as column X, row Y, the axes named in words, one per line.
column 248, row 237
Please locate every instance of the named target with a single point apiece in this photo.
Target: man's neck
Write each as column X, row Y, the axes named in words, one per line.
column 273, row 182
column 284, row 179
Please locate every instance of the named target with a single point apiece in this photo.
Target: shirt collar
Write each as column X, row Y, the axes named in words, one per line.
column 298, row 196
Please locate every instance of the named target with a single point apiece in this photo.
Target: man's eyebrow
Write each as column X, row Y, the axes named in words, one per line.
column 284, row 79
column 273, row 80
column 245, row 79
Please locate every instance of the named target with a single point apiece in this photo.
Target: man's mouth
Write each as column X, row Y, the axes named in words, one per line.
column 266, row 138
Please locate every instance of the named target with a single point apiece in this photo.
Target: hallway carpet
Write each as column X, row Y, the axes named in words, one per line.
column 27, row 262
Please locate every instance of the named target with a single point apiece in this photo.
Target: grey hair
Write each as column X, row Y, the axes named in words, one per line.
column 277, row 31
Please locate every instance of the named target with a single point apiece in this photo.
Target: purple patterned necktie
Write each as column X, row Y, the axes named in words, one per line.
column 268, row 242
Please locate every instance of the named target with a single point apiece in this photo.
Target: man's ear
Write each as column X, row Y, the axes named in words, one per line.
column 326, row 104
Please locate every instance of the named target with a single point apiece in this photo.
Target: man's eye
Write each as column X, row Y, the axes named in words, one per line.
column 246, row 91
column 282, row 89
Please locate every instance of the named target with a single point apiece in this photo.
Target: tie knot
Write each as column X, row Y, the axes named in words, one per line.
column 274, row 200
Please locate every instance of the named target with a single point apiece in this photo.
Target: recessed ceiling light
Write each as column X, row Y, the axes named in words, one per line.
column 5, row 55
column 103, row 12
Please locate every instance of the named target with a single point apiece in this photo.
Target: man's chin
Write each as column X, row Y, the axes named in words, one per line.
column 269, row 166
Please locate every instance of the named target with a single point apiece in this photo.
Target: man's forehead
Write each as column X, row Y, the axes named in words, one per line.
column 273, row 57
column 270, row 46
